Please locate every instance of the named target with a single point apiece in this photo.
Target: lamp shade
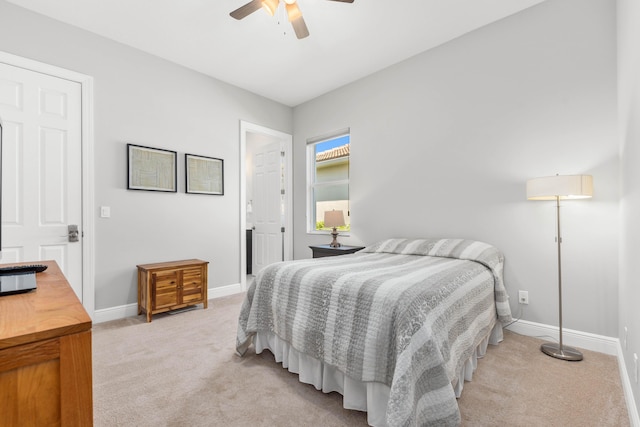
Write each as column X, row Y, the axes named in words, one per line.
column 270, row 6
column 334, row 219
column 560, row 186
column 293, row 11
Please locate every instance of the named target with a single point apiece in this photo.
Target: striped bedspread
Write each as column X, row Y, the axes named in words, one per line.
column 406, row 313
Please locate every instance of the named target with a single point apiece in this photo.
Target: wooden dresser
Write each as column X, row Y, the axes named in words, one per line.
column 45, row 355
column 166, row 286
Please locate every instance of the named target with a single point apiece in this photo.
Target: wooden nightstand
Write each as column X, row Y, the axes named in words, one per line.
column 320, row 251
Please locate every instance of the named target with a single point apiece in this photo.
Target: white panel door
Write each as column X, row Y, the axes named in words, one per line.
column 42, row 170
column 267, row 212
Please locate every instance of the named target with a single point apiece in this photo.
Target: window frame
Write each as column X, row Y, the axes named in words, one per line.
column 312, row 185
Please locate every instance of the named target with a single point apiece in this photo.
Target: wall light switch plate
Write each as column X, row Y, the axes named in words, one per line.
column 105, row 212
column 635, row 365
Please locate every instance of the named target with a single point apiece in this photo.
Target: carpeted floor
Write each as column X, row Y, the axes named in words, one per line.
column 181, row 370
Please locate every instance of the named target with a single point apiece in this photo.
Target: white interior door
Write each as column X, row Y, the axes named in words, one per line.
column 42, row 170
column 267, row 206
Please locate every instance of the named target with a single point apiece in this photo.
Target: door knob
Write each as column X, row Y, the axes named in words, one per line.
column 73, row 233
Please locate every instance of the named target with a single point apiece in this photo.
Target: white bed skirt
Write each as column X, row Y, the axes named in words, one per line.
column 371, row 397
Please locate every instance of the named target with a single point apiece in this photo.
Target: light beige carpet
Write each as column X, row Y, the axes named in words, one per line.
column 181, row 370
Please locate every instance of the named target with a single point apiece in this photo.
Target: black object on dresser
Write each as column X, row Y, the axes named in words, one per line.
column 320, row 251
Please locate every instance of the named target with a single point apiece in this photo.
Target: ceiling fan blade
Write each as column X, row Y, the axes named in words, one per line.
column 247, row 9
column 300, row 27
column 343, row 1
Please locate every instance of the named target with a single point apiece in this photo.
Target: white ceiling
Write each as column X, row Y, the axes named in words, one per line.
column 261, row 53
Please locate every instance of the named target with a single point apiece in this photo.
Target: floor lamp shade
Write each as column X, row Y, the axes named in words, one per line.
column 560, row 187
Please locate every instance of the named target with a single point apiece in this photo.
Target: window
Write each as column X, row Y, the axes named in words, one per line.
column 328, row 178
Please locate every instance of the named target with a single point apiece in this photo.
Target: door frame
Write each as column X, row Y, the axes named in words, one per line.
column 287, row 141
column 87, row 136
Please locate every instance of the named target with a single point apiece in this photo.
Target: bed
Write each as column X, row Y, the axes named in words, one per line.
column 395, row 328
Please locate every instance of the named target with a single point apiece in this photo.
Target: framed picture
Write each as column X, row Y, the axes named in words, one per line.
column 205, row 175
column 151, row 169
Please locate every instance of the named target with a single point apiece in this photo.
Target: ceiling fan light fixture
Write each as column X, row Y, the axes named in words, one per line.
column 293, row 11
column 270, row 6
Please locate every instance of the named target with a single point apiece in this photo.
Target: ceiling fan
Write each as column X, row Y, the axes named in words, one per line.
column 293, row 12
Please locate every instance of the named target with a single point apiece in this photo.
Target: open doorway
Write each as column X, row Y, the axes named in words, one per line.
column 266, row 218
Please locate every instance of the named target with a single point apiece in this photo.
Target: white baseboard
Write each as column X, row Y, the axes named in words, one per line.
column 114, row 313
column 224, row 291
column 570, row 337
column 634, row 417
column 129, row 310
column 587, row 341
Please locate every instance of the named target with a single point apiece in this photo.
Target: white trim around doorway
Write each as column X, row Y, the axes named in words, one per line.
column 287, row 140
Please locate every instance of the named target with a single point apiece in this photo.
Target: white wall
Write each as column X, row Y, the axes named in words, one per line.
column 145, row 100
column 629, row 113
column 447, row 139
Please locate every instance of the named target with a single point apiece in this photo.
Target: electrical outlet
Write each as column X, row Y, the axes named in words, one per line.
column 635, row 365
column 523, row 297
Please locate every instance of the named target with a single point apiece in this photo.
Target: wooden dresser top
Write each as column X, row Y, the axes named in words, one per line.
column 52, row 310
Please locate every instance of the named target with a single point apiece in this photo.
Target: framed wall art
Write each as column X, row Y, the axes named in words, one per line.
column 151, row 169
column 204, row 175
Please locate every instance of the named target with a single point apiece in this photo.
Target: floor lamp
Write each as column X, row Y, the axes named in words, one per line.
column 560, row 187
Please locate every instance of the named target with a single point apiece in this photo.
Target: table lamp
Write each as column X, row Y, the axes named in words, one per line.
column 334, row 219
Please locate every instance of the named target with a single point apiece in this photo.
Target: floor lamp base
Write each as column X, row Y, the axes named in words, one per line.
column 564, row 353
